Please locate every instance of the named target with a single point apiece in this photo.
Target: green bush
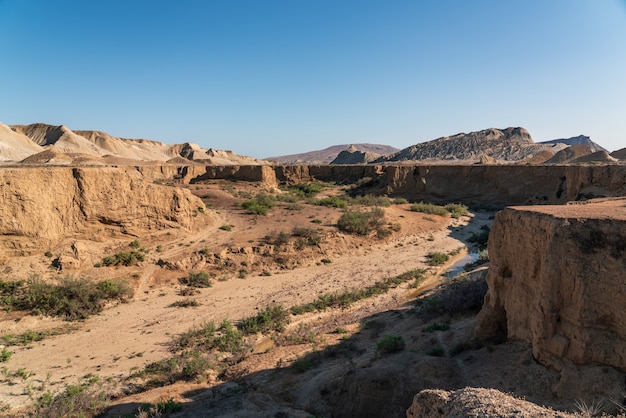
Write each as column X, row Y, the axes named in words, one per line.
column 361, row 223
column 332, row 202
column 272, row 318
column 301, row 365
column 130, row 258
column 135, row 244
column 307, row 189
column 457, row 210
column 390, row 344
column 371, row 200
column 437, row 258
column 185, row 303
column 436, row 352
column 5, row 355
column 194, row 279
column 72, row 298
column 260, row 205
column 429, row 208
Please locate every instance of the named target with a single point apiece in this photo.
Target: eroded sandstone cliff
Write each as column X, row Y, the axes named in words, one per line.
column 40, row 206
column 557, row 280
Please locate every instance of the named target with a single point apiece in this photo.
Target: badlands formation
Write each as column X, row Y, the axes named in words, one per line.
column 249, row 296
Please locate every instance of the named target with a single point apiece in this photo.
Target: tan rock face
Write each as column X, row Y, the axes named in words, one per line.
column 556, row 280
column 40, row 206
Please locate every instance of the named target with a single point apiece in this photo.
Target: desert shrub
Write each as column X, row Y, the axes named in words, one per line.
column 259, row 205
column 134, row 244
column 462, row 295
column 301, row 365
column 436, row 326
column 272, row 318
column 200, row 279
column 361, row 223
column 307, row 236
column 130, row 258
column 226, row 227
column 429, row 208
column 400, row 201
column 436, row 352
column 5, row 355
column 390, row 344
column 188, row 365
column 332, row 202
column 159, row 248
column 229, row 339
column 480, row 238
column 456, row 210
column 48, row 254
column 347, row 298
column 162, row 407
column 72, row 298
column 307, row 189
column 437, row 258
column 86, row 399
column 185, row 303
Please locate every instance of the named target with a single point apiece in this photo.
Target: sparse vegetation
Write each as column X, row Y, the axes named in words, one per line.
column 390, row 344
column 134, row 244
column 332, row 202
column 185, row 303
column 5, row 355
column 307, row 189
column 301, row 365
column 361, row 223
column 436, row 352
column 437, row 258
column 429, row 208
column 86, row 399
column 226, row 227
column 73, row 298
column 457, row 210
column 272, row 319
column 347, row 298
column 129, row 258
column 200, row 279
column 259, row 205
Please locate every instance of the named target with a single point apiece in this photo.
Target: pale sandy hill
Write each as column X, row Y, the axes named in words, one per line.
column 595, row 157
column 180, row 161
column 15, row 146
column 576, row 140
column 539, row 158
column 86, row 147
column 126, row 148
column 222, row 157
column 570, row 153
column 63, row 139
column 49, row 156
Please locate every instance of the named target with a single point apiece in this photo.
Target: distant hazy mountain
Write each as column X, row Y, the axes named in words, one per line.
column 510, row 144
column 577, row 140
column 327, row 155
column 40, row 143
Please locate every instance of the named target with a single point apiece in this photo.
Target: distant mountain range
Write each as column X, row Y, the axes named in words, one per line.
column 41, row 143
column 327, row 155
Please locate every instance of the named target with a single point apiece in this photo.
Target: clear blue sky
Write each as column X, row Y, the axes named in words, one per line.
column 275, row 77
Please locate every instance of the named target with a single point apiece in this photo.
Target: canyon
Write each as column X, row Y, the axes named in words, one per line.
column 550, row 329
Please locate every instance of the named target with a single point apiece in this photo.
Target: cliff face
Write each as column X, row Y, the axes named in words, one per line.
column 556, row 280
column 40, row 206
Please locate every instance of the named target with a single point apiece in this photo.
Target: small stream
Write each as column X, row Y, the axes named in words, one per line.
column 458, row 266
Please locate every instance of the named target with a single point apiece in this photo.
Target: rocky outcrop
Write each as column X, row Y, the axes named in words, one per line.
column 576, row 140
column 353, row 156
column 327, row 155
column 41, row 206
column 556, row 280
column 474, row 402
column 510, row 144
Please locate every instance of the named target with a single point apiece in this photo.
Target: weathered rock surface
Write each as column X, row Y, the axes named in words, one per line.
column 354, row 156
column 510, row 144
column 576, row 140
column 474, row 402
column 556, row 280
column 40, row 206
column 327, row 155
column 570, row 153
column 620, row 154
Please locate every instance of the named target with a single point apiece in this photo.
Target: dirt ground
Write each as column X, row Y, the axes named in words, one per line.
column 249, row 272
